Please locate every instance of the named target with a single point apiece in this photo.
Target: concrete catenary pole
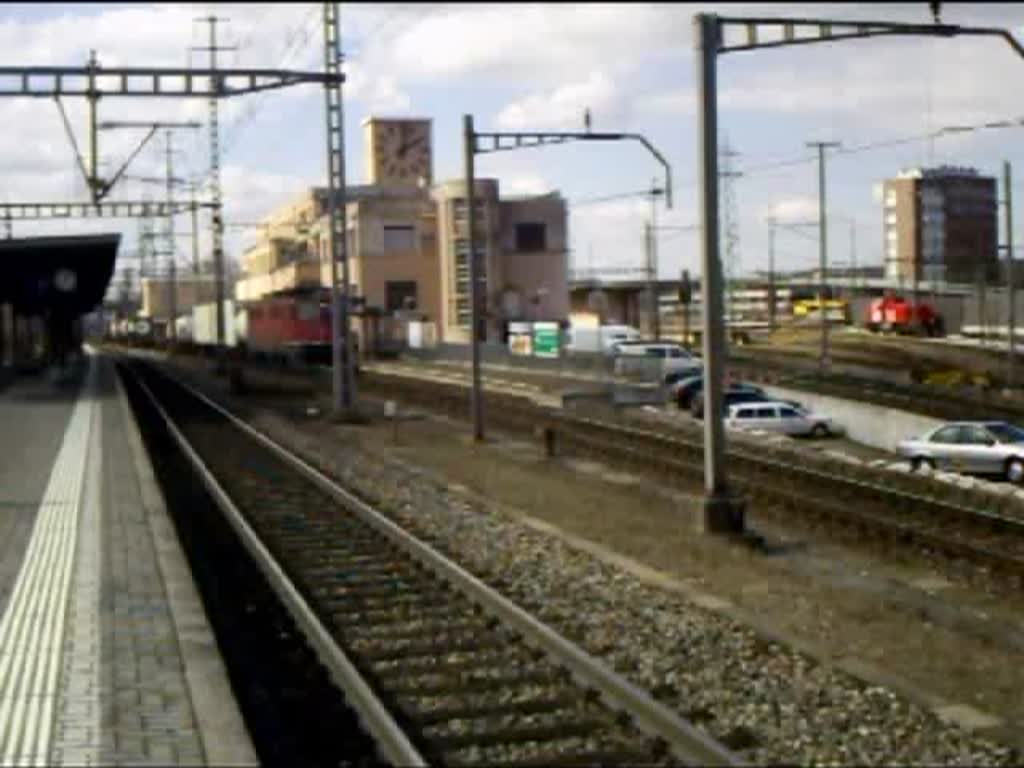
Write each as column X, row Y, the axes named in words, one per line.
column 823, row 361
column 477, row 399
column 722, row 513
column 1010, row 287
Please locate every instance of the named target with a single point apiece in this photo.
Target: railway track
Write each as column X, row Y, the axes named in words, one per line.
column 440, row 668
column 902, row 509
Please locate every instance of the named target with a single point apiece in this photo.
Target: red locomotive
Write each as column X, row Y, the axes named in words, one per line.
column 296, row 327
column 897, row 314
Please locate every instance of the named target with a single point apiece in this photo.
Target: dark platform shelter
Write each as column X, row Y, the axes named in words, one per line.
column 49, row 283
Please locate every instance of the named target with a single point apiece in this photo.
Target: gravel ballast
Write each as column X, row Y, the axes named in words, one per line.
column 758, row 696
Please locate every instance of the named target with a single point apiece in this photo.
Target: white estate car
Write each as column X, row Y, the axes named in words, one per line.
column 780, row 417
column 976, row 447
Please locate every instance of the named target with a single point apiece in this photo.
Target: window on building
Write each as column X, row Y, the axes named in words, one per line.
column 459, row 209
column 399, row 237
column 531, row 237
column 401, row 294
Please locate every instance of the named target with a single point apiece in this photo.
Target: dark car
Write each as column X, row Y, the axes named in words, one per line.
column 684, row 389
column 734, row 395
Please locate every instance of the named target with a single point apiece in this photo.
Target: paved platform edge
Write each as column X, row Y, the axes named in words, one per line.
column 225, row 738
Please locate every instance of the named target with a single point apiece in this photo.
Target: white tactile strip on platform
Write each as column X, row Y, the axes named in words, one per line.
column 32, row 628
column 76, row 737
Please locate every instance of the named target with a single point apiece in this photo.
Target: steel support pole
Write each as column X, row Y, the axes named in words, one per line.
column 173, row 270
column 195, row 233
column 771, row 276
column 823, row 361
column 651, row 298
column 477, row 396
column 1010, row 287
column 218, row 208
column 655, row 308
column 342, row 353
column 94, row 152
column 722, row 513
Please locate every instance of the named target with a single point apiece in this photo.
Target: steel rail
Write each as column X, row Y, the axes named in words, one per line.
column 605, row 441
column 685, row 742
column 392, row 742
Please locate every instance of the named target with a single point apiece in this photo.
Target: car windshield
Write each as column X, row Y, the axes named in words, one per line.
column 1006, row 433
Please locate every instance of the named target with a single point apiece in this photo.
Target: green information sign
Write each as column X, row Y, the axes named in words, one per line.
column 545, row 339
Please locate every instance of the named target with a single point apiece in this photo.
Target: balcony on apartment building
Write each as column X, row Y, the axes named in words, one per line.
column 281, row 265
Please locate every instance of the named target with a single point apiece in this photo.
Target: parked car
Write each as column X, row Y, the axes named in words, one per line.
column 683, row 390
column 970, row 447
column 643, row 356
column 780, row 417
column 734, row 395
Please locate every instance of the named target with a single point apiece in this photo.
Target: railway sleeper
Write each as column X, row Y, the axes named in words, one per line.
column 583, row 758
column 454, row 662
column 551, row 752
column 380, row 589
column 381, row 651
column 542, row 702
column 458, row 687
column 330, row 564
column 571, row 724
column 349, row 604
column 413, row 630
column 399, row 615
column 360, row 581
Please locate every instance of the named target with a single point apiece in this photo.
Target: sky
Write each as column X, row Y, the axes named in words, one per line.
column 537, row 67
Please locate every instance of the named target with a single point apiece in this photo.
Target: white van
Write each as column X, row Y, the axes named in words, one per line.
column 599, row 339
column 672, row 357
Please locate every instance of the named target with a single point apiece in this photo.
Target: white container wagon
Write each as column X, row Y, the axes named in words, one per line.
column 204, row 324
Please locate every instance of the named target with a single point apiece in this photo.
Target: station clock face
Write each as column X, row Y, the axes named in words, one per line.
column 402, row 152
column 65, row 280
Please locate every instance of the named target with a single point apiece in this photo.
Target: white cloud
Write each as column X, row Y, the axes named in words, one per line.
column 563, row 107
column 524, row 184
column 675, row 101
column 377, row 94
column 529, row 41
column 793, row 209
column 250, row 194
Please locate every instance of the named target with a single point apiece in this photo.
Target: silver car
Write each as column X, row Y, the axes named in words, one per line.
column 970, row 447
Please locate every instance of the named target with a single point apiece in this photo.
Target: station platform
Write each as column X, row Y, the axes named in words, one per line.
column 106, row 655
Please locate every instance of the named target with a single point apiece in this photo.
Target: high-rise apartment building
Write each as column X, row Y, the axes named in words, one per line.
column 940, row 224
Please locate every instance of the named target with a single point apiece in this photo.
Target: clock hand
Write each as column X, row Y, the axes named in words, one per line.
column 409, row 145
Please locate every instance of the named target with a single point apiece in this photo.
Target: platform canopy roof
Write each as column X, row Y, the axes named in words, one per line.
column 67, row 274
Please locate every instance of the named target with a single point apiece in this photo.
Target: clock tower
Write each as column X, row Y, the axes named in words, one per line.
column 399, row 151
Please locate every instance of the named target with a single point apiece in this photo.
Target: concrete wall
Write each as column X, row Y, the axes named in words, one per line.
column 377, row 265
column 873, row 425
column 156, row 295
column 528, row 273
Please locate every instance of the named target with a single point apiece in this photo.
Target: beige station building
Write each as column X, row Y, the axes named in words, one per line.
column 407, row 245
